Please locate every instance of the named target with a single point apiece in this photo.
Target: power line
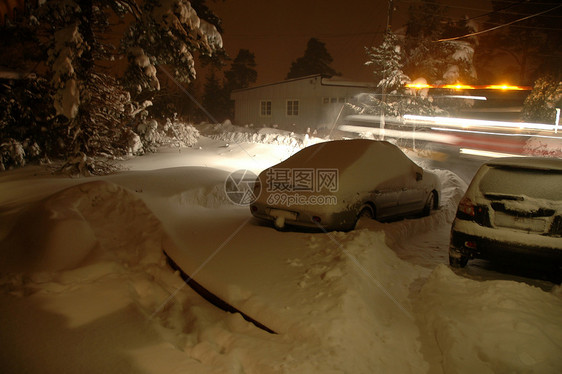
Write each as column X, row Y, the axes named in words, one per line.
column 499, row 26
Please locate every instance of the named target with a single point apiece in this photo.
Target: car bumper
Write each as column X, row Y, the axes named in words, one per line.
column 491, row 248
column 343, row 221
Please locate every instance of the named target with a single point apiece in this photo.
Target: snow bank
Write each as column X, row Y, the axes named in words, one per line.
column 62, row 230
column 544, row 147
column 341, row 302
column 491, row 326
column 236, row 134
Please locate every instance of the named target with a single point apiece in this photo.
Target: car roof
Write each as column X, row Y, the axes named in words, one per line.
column 356, row 161
column 340, row 153
column 536, row 163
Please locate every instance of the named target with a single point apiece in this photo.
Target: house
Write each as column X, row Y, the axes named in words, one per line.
column 301, row 103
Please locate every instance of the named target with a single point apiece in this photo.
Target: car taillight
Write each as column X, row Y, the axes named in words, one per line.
column 466, row 207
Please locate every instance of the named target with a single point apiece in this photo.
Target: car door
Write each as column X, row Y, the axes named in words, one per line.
column 412, row 195
column 386, row 202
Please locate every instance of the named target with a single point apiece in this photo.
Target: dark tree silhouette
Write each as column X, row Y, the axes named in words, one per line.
column 242, row 71
column 316, row 60
column 527, row 49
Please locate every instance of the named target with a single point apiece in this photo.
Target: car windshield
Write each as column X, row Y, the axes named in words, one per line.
column 539, row 184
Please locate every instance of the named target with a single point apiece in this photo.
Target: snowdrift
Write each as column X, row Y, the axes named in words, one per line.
column 63, row 230
column 84, row 286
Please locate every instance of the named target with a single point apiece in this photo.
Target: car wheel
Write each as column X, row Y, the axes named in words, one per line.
column 429, row 204
column 366, row 212
column 457, row 259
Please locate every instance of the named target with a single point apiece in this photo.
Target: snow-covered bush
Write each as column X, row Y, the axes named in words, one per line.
column 11, row 154
column 541, row 104
column 544, row 147
column 170, row 132
column 27, row 118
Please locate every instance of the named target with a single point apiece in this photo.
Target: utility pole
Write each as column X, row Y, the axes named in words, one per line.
column 389, row 16
column 388, row 28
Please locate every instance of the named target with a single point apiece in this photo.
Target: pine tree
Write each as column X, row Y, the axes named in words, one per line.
column 316, row 60
column 167, row 33
column 395, row 100
column 93, row 110
column 387, row 62
column 438, row 62
column 215, row 101
column 242, row 71
column 241, row 74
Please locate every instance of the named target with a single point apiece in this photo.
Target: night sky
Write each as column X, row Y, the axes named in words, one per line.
column 277, row 31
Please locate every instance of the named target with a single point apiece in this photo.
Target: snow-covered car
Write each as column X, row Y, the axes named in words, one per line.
column 512, row 210
column 331, row 185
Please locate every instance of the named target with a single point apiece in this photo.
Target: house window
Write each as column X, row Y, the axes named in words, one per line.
column 292, row 107
column 265, row 108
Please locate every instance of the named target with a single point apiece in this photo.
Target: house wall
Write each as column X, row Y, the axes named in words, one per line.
column 311, row 93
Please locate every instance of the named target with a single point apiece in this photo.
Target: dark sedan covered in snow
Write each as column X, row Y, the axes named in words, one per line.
column 331, row 185
column 512, row 210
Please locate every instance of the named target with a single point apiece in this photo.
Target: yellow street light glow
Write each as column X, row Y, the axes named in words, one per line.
column 460, row 86
column 418, row 86
column 507, row 87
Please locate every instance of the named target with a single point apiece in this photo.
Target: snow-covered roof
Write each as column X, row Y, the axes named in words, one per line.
column 324, row 81
column 538, row 163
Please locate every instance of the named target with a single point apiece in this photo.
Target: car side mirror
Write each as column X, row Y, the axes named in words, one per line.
column 419, row 176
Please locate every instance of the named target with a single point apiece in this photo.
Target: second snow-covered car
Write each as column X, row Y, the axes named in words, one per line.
column 330, row 185
column 512, row 210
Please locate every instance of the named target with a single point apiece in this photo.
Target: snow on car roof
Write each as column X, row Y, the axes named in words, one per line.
column 340, row 153
column 538, row 163
column 362, row 163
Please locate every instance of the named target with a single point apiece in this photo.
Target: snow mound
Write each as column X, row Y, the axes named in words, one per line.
column 473, row 320
column 379, row 303
column 236, row 134
column 207, row 197
column 452, row 190
column 65, row 229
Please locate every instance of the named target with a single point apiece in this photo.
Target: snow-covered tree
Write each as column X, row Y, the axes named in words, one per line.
column 387, row 59
column 449, row 61
column 316, row 60
column 541, row 104
column 393, row 98
column 93, row 111
column 167, row 32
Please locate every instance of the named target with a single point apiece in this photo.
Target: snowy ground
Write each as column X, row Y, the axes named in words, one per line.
column 84, row 284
